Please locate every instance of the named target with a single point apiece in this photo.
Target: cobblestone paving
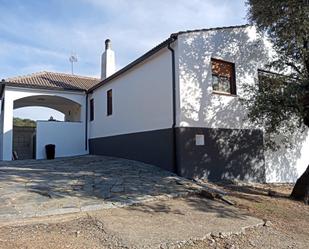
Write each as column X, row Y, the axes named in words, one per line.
column 48, row 187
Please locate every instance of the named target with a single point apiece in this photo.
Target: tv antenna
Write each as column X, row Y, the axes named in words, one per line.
column 72, row 59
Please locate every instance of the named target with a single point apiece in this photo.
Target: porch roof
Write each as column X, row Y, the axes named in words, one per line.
column 53, row 80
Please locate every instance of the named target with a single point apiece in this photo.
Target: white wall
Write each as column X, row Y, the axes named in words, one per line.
column 200, row 107
column 69, row 138
column 11, row 94
column 288, row 163
column 142, row 99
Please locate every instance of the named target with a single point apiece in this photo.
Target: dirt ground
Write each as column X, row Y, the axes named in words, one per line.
column 288, row 220
column 288, row 225
column 153, row 224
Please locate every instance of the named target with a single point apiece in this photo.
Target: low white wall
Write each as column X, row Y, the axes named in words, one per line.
column 69, row 138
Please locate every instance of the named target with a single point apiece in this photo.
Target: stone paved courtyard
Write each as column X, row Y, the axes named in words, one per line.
column 47, row 187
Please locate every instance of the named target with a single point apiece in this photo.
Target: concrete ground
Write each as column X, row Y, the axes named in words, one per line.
column 31, row 188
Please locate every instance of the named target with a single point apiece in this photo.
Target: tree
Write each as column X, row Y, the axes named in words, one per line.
column 281, row 101
column 24, row 122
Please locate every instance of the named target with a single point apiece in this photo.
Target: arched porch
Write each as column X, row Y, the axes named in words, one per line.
column 69, row 135
column 70, row 108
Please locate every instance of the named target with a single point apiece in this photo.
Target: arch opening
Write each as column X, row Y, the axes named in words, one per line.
column 31, row 109
column 70, row 109
column 38, row 113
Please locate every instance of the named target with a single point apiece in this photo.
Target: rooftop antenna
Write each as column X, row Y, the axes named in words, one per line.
column 72, row 59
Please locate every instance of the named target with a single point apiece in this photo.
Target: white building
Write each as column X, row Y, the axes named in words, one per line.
column 62, row 92
column 177, row 107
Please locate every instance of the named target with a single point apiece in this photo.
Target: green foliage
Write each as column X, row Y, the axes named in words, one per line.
column 24, row 122
column 286, row 23
column 280, row 103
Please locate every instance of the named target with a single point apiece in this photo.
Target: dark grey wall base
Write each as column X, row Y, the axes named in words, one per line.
column 227, row 154
column 153, row 147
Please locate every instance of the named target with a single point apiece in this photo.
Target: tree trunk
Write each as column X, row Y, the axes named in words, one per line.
column 301, row 189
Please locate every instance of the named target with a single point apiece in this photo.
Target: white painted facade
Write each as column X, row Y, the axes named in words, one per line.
column 72, row 104
column 201, row 107
column 69, row 138
column 288, row 163
column 142, row 99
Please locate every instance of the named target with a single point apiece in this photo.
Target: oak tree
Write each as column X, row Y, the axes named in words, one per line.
column 281, row 101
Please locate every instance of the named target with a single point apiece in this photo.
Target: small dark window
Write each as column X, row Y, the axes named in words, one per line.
column 223, row 77
column 91, row 109
column 109, row 102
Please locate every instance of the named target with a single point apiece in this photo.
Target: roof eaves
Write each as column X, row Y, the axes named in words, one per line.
column 145, row 56
column 134, row 63
column 211, row 29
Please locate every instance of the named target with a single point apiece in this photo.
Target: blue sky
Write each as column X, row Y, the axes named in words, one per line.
column 38, row 35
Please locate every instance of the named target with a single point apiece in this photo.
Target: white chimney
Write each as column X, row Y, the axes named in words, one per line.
column 108, row 66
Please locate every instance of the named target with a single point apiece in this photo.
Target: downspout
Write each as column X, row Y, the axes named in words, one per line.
column 86, row 123
column 2, row 85
column 1, row 110
column 2, row 88
column 174, row 134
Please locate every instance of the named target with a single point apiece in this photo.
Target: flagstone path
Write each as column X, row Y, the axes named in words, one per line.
column 35, row 188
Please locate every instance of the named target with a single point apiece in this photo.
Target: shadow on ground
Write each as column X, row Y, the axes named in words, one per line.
column 47, row 187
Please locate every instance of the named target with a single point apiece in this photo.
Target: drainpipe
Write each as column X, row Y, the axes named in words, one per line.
column 2, row 88
column 86, row 123
column 175, row 160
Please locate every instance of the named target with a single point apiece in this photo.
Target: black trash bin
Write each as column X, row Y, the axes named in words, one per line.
column 50, row 151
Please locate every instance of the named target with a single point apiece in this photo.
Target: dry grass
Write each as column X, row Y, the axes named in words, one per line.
column 289, row 229
column 287, row 214
column 289, row 218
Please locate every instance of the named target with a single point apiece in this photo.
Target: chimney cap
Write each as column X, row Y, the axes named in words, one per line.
column 108, row 44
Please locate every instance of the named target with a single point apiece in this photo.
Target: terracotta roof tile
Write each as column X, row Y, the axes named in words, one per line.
column 53, row 80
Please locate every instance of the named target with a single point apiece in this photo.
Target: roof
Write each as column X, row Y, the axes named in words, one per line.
column 210, row 29
column 154, row 50
column 53, row 81
column 132, row 64
column 62, row 81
